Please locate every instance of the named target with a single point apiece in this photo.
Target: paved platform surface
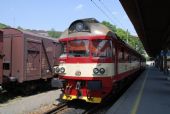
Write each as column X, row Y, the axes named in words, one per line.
column 149, row 94
column 25, row 105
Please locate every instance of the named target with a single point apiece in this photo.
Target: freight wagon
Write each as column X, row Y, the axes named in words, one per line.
column 28, row 57
column 1, row 56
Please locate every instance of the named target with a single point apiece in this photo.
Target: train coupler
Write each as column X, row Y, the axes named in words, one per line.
column 67, row 90
column 58, row 83
column 78, row 87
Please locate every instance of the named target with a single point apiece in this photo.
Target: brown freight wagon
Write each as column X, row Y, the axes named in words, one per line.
column 28, row 56
column 1, row 56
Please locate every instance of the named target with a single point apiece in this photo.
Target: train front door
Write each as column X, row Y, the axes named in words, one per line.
column 33, row 60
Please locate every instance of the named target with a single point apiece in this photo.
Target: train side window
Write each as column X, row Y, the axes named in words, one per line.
column 6, row 66
column 126, row 56
column 113, row 50
column 121, row 55
column 129, row 58
column 133, row 58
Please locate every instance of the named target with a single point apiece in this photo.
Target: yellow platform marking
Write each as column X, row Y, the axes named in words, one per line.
column 138, row 99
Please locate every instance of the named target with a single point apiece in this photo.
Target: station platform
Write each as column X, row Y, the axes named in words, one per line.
column 149, row 94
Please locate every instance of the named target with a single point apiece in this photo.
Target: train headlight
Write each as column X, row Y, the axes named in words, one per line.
column 102, row 70
column 62, row 70
column 79, row 27
column 56, row 69
column 47, row 71
column 77, row 73
column 95, row 70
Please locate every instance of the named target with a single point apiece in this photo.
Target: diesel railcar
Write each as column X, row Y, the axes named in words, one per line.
column 93, row 61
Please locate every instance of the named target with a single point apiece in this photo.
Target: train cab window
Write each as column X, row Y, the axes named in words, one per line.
column 101, row 48
column 78, row 48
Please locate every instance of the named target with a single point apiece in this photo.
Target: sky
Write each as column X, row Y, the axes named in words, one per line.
column 58, row 14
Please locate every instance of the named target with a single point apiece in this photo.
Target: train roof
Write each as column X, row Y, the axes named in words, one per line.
column 92, row 27
column 25, row 32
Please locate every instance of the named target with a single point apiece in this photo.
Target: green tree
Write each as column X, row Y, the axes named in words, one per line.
column 53, row 33
column 3, row 26
column 126, row 37
column 109, row 25
column 20, row 28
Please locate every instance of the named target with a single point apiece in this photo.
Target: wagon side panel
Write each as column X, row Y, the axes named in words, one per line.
column 1, row 56
column 18, row 58
column 13, row 59
column 33, row 59
column 47, row 59
column 7, row 56
column 58, row 51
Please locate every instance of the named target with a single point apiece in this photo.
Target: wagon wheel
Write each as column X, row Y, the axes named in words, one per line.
column 28, row 89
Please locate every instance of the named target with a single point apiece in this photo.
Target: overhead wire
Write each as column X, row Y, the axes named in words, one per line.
column 108, row 10
column 102, row 11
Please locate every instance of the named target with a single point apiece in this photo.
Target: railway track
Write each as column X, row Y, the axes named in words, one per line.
column 76, row 107
column 71, row 107
column 58, row 108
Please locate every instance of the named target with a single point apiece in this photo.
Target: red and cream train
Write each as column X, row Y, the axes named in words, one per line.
column 94, row 61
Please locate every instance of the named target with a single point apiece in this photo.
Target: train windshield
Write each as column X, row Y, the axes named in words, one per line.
column 78, row 48
column 101, row 48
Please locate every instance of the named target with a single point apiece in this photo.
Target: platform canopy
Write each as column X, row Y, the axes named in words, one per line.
column 151, row 19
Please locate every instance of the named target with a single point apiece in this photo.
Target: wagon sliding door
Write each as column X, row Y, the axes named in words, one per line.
column 33, row 70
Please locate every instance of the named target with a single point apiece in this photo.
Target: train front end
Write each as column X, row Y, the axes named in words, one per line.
column 86, row 65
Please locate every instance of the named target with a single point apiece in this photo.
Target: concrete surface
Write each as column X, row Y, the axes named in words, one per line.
column 149, row 94
column 24, row 105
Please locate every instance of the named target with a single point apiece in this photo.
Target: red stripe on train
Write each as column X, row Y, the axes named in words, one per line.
column 86, row 60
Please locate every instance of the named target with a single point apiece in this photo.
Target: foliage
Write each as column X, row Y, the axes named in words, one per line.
column 112, row 27
column 123, row 34
column 3, row 26
column 53, row 33
column 133, row 41
column 20, row 28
